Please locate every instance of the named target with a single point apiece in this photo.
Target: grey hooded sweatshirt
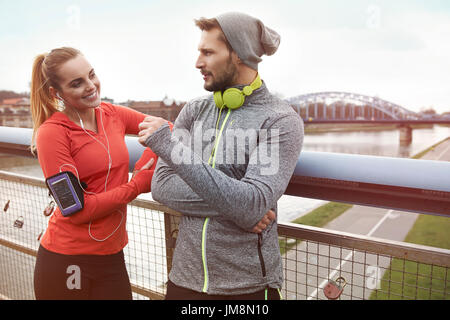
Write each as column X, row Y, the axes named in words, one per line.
column 223, row 170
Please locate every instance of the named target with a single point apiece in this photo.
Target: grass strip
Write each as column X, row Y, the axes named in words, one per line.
column 409, row 280
column 316, row 218
column 419, row 281
column 412, row 280
column 422, row 153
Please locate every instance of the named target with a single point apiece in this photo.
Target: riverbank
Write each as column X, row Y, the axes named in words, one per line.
column 423, row 154
column 348, row 127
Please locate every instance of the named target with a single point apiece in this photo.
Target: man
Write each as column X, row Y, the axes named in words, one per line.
column 228, row 161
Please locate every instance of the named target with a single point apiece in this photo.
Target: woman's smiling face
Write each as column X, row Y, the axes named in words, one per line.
column 79, row 85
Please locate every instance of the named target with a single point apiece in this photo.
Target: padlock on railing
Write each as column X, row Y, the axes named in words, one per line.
column 334, row 289
column 49, row 208
column 19, row 222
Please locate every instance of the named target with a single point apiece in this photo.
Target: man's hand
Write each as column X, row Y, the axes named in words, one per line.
column 264, row 222
column 148, row 126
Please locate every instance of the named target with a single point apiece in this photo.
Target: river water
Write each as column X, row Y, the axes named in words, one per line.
column 378, row 143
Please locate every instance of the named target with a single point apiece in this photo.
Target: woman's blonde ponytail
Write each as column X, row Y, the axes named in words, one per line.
column 41, row 102
column 44, row 75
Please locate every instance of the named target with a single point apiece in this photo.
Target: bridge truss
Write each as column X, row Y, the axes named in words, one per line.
column 348, row 106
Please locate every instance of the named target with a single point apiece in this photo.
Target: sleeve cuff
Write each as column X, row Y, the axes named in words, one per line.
column 159, row 140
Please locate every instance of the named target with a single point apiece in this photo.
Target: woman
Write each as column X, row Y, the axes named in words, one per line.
column 81, row 255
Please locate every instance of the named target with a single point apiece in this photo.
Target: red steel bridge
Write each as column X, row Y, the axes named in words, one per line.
column 345, row 107
column 351, row 108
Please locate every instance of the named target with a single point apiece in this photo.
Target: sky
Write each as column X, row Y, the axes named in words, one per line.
column 145, row 50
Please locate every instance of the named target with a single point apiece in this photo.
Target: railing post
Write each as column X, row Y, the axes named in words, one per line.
column 171, row 223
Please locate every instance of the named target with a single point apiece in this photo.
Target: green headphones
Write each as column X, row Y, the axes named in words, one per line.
column 234, row 98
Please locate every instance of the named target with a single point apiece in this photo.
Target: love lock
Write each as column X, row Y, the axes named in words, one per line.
column 19, row 222
column 49, row 209
column 334, row 289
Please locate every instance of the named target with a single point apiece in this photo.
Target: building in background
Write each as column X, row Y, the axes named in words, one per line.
column 14, row 106
column 15, row 112
column 167, row 108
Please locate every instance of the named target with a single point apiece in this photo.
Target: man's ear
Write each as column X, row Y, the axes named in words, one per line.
column 235, row 58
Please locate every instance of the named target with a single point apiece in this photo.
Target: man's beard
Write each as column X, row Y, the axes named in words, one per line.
column 224, row 79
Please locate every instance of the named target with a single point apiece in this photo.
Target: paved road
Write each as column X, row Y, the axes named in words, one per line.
column 316, row 267
column 441, row 152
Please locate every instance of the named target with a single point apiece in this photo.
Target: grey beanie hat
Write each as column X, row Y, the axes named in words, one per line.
column 248, row 37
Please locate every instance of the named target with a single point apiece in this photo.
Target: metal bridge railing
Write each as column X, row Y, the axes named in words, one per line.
column 373, row 268
column 394, row 183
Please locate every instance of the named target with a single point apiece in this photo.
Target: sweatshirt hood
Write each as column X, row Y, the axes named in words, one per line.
column 62, row 119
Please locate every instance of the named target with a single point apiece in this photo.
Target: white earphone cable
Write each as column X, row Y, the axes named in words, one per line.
column 107, row 149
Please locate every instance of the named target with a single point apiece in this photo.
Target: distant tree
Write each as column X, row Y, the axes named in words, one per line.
column 429, row 111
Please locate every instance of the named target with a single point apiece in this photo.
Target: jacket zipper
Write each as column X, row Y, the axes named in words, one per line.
column 205, row 265
column 212, row 159
column 261, row 258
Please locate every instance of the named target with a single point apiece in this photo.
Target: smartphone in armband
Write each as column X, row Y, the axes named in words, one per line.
column 67, row 192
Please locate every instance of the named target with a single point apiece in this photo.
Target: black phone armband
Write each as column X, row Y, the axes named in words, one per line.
column 67, row 192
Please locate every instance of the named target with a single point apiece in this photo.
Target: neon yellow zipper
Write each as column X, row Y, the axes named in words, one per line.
column 205, row 268
column 205, row 224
